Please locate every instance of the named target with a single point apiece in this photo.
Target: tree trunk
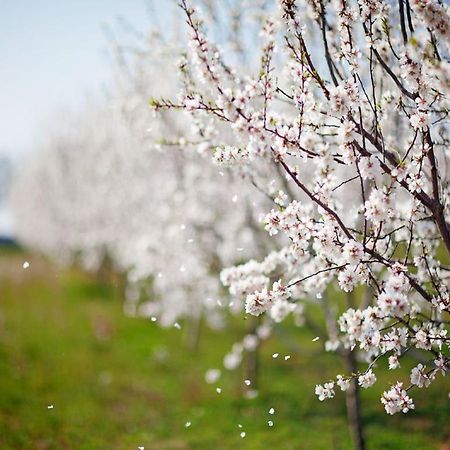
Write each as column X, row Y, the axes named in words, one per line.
column 193, row 331
column 251, row 368
column 251, row 361
column 353, row 402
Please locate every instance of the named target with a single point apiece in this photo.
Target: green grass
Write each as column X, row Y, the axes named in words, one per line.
column 119, row 383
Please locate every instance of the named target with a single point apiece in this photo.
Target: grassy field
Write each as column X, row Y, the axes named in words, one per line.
column 120, row 383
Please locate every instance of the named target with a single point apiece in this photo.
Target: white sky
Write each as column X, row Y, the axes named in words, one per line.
column 53, row 53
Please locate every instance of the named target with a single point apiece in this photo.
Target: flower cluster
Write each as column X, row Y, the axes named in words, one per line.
column 397, row 400
column 275, row 300
column 435, row 15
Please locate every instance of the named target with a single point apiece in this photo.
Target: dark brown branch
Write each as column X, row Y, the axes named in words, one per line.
column 401, row 11
column 438, row 208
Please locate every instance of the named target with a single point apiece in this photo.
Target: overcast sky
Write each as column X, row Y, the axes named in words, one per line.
column 53, row 53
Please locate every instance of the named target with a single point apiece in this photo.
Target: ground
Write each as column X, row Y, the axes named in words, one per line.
column 76, row 373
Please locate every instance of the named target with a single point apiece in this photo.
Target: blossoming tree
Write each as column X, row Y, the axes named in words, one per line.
column 340, row 138
column 350, row 104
